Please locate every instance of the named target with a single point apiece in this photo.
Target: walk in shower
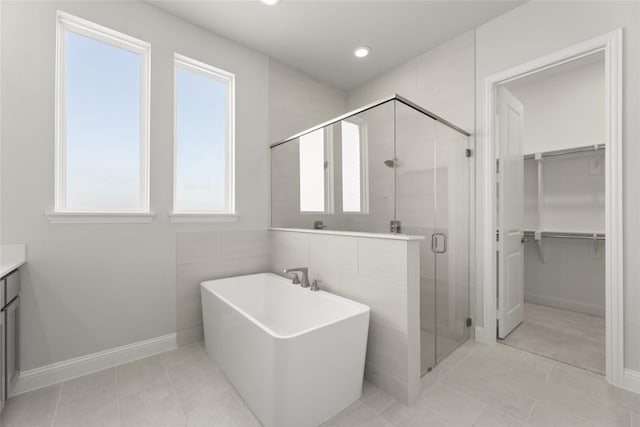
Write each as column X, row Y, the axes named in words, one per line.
column 389, row 167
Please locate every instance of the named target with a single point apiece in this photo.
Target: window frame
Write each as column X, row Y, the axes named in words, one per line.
column 364, row 166
column 61, row 213
column 229, row 214
column 329, row 181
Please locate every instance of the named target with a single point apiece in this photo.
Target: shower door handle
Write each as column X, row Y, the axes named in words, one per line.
column 435, row 245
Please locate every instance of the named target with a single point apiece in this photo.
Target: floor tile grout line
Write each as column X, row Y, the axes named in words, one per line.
column 386, row 407
column 533, row 407
column 173, row 390
column 55, row 410
column 475, row 420
column 471, row 395
column 548, row 376
column 115, row 368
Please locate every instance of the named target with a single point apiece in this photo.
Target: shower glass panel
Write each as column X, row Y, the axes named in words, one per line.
column 432, row 200
column 374, row 130
column 452, row 240
column 415, row 209
column 335, row 177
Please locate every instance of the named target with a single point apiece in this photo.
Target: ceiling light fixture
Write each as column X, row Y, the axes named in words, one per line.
column 361, row 51
column 270, row 2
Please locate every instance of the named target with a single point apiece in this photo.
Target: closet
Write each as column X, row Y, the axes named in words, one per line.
column 563, row 213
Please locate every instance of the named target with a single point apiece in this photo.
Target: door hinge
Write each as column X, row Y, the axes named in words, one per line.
column 497, row 165
column 395, row 226
column 469, row 322
column 468, row 152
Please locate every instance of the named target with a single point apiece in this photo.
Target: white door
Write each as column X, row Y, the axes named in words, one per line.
column 510, row 213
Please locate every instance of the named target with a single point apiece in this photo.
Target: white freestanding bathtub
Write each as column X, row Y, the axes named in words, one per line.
column 295, row 356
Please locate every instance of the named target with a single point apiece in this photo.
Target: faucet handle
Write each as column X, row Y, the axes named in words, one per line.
column 295, row 279
column 315, row 286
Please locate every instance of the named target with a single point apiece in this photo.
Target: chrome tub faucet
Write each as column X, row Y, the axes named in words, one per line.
column 304, row 272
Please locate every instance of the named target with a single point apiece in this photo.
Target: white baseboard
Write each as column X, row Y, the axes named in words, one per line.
column 631, row 380
column 62, row 371
column 565, row 304
column 479, row 331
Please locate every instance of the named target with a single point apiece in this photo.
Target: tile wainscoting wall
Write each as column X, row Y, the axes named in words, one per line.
column 210, row 255
column 380, row 272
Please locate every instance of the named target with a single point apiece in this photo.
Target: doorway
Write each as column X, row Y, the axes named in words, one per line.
column 551, row 192
column 609, row 242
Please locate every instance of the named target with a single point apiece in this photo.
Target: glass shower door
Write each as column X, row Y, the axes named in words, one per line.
column 415, row 138
column 432, row 174
column 450, row 242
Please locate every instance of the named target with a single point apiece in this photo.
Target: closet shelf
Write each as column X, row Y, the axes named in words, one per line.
column 566, row 235
column 566, row 151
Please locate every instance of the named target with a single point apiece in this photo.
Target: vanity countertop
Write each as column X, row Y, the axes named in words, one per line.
column 11, row 257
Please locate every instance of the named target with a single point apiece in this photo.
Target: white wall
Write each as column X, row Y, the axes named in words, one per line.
column 87, row 288
column 564, row 110
column 298, row 102
column 539, row 28
column 570, row 277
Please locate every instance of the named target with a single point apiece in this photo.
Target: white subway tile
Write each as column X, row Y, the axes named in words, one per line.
column 188, row 310
column 198, row 246
column 189, row 276
column 331, row 255
column 243, row 244
column 383, row 260
column 289, row 249
column 190, row 335
column 388, row 302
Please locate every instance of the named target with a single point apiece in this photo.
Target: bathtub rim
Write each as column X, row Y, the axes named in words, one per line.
column 359, row 308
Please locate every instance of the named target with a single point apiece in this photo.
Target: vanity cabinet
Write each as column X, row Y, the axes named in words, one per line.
column 9, row 327
column 3, row 397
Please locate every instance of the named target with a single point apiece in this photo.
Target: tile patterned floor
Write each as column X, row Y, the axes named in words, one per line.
column 573, row 338
column 476, row 385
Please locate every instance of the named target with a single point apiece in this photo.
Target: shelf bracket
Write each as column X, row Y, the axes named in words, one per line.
column 538, row 158
column 540, row 245
column 595, row 249
column 595, row 163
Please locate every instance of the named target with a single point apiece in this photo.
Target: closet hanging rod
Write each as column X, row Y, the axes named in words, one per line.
column 566, row 235
column 567, row 151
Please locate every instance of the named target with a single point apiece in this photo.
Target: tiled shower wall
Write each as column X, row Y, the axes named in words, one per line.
column 209, row 255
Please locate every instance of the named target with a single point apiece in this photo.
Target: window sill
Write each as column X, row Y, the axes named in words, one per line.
column 100, row 217
column 202, row 217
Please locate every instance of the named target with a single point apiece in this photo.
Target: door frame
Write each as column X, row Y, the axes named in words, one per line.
column 611, row 45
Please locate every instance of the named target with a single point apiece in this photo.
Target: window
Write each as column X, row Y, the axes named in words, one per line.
column 204, row 139
column 354, row 168
column 315, row 172
column 102, row 120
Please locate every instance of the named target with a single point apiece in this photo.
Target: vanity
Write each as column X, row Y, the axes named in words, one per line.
column 12, row 257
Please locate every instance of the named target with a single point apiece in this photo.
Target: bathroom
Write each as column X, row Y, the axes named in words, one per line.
column 110, row 326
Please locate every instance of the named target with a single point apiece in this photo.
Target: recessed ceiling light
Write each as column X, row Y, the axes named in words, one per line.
column 361, row 51
column 270, row 2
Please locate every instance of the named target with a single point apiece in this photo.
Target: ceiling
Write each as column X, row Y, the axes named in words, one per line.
column 318, row 37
